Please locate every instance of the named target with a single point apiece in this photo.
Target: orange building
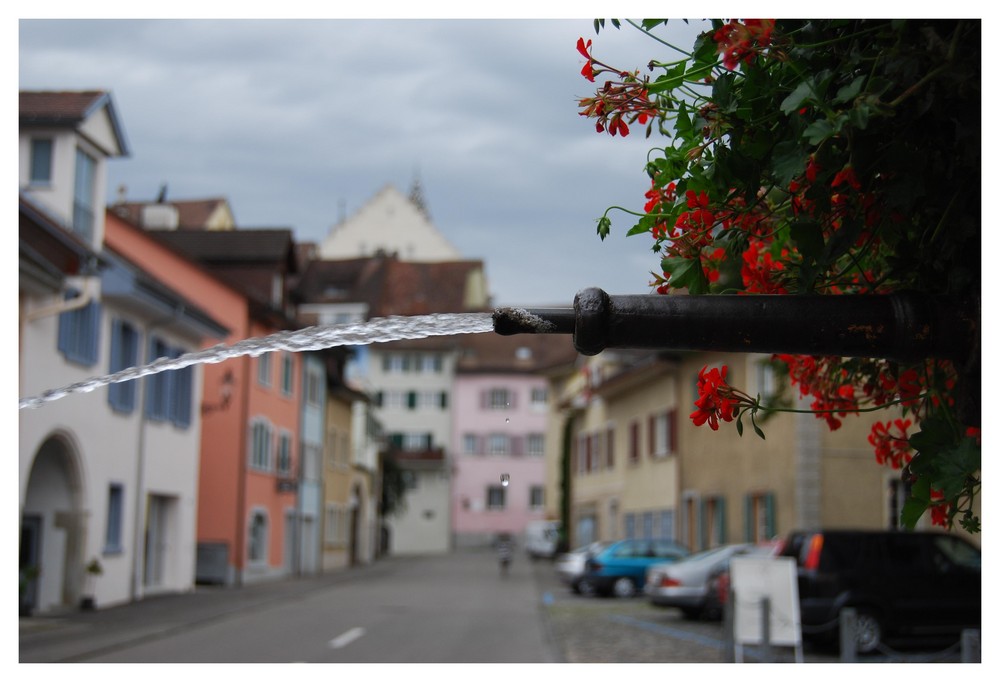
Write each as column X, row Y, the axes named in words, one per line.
column 250, row 406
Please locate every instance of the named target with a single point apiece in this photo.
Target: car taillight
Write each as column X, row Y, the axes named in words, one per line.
column 594, row 566
column 667, row 581
column 812, row 553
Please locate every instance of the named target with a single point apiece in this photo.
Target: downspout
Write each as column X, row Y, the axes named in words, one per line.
column 139, row 544
column 82, row 300
column 240, row 546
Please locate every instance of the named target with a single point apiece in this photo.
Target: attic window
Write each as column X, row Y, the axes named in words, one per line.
column 523, row 353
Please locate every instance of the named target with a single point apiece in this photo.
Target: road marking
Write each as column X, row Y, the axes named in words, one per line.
column 346, row 638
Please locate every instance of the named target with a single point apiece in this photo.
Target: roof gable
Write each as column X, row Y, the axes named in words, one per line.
column 78, row 110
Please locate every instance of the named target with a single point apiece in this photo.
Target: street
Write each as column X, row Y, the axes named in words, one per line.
column 454, row 608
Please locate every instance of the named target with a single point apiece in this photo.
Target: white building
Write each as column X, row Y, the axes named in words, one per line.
column 107, row 479
column 389, row 223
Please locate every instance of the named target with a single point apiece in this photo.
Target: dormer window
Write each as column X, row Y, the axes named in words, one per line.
column 84, row 195
column 41, row 161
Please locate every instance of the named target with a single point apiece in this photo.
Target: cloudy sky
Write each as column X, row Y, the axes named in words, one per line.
column 297, row 122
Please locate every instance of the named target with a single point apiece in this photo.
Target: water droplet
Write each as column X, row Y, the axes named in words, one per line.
column 505, row 480
column 508, row 420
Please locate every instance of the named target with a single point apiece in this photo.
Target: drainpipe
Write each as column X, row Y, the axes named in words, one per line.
column 139, row 545
column 239, row 549
column 65, row 306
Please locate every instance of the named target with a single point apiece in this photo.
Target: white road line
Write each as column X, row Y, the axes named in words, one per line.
column 346, row 638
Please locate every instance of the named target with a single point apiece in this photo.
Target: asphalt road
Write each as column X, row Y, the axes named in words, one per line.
column 455, row 608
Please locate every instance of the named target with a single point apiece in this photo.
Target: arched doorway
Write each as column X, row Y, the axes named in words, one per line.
column 53, row 530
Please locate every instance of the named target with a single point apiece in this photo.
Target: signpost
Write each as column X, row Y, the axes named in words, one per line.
column 765, row 604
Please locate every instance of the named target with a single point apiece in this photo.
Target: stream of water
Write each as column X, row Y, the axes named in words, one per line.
column 377, row 330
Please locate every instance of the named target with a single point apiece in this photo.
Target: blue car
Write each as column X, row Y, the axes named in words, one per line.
column 620, row 569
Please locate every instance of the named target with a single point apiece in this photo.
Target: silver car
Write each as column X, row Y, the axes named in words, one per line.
column 684, row 584
column 570, row 567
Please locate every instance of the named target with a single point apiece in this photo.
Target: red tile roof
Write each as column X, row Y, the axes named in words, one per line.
column 192, row 214
column 63, row 108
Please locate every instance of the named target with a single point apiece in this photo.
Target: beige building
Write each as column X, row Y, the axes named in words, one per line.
column 639, row 467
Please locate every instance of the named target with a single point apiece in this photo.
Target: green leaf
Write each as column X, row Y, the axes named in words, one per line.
column 788, row 162
column 808, row 238
column 849, row 92
column 798, row 96
column 739, row 424
column 818, row 131
column 673, row 78
column 912, row 510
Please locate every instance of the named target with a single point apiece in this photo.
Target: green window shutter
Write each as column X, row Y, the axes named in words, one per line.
column 720, row 511
column 411, row 400
column 748, row 518
column 769, row 523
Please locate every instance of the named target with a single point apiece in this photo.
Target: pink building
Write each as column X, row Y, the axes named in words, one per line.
column 249, row 406
column 500, row 419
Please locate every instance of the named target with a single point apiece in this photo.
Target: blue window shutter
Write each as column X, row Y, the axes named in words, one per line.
column 79, row 333
column 181, row 388
column 115, row 392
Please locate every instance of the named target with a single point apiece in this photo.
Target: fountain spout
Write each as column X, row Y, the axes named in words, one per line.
column 900, row 326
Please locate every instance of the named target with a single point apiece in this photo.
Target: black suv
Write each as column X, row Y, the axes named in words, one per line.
column 900, row 583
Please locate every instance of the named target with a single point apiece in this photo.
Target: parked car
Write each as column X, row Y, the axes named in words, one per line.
column 570, row 567
column 717, row 591
column 684, row 584
column 620, row 568
column 900, row 584
column 541, row 539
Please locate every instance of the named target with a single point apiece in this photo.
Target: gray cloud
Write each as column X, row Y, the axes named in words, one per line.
column 292, row 120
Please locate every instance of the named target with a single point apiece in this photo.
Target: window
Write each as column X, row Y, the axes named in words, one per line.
column 79, row 333
column 287, row 373
column 713, row 521
column 180, row 394
column 609, row 447
column 539, row 398
column 496, row 497
column 264, row 369
column 285, row 454
column 497, row 399
column 257, row 547
column 470, row 444
column 431, row 363
column 113, row 527
column 759, row 517
column 662, row 427
column 158, row 385
column 667, row 524
column 124, row 354
column 898, row 493
column 536, row 497
column 41, row 161
column 633, row 442
column 260, row 445
column 767, row 383
column 334, row 524
column 314, row 381
column 536, row 444
column 84, row 195
column 412, row 441
column 498, row 444
column 629, row 526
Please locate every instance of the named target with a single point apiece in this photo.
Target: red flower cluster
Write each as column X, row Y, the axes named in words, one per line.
column 741, row 41
column 761, row 272
column 614, row 101
column 716, row 399
column 891, row 448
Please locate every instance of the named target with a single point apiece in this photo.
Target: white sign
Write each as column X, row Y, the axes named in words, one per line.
column 755, row 579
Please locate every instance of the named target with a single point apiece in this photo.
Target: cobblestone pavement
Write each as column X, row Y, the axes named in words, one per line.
column 607, row 630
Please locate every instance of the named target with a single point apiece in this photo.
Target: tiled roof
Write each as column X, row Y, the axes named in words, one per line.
column 63, row 108
column 225, row 246
column 192, row 214
column 523, row 353
column 388, row 285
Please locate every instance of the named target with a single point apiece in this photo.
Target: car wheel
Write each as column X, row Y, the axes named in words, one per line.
column 585, row 587
column 623, row 588
column 869, row 630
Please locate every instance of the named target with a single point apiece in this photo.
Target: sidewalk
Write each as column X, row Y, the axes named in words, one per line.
column 77, row 635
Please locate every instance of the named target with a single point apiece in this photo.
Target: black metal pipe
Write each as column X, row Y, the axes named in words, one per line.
column 901, row 326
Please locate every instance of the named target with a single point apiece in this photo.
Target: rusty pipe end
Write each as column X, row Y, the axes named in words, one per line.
column 510, row 321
